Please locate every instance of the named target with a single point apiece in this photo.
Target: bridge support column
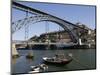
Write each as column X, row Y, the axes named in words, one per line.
column 14, row 51
column 80, row 41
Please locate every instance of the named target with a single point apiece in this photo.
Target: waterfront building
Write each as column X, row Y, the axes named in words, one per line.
column 86, row 35
column 56, row 36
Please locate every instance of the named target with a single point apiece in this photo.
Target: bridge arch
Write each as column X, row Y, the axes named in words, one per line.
column 39, row 18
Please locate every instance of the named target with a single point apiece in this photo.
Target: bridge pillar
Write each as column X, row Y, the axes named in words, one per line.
column 80, row 41
column 14, row 51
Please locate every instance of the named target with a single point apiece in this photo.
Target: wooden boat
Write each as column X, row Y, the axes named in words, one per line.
column 57, row 60
column 30, row 55
column 38, row 68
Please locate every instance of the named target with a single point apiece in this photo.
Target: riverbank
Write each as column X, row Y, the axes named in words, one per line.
column 53, row 47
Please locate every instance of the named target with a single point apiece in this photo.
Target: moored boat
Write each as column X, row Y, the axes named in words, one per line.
column 30, row 55
column 57, row 60
column 38, row 68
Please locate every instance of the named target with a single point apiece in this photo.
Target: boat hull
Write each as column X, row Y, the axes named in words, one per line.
column 56, row 62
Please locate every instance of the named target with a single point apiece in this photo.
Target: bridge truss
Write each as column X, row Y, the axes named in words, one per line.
column 42, row 16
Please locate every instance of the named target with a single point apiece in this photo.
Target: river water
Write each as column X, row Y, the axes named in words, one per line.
column 84, row 59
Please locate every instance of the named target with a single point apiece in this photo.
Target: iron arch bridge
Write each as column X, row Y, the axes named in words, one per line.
column 42, row 16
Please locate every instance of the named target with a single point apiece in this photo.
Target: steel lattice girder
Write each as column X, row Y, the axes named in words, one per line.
column 42, row 16
column 34, row 19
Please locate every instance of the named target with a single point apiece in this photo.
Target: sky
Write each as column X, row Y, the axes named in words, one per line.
column 73, row 13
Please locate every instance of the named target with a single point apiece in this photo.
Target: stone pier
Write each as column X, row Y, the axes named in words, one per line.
column 14, row 51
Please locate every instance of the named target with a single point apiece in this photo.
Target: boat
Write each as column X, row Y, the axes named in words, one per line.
column 38, row 68
column 57, row 60
column 30, row 55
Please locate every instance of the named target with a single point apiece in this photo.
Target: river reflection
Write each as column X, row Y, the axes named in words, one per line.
column 82, row 57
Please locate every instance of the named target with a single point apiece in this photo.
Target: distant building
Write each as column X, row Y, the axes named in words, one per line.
column 57, row 36
column 84, row 33
column 88, row 36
